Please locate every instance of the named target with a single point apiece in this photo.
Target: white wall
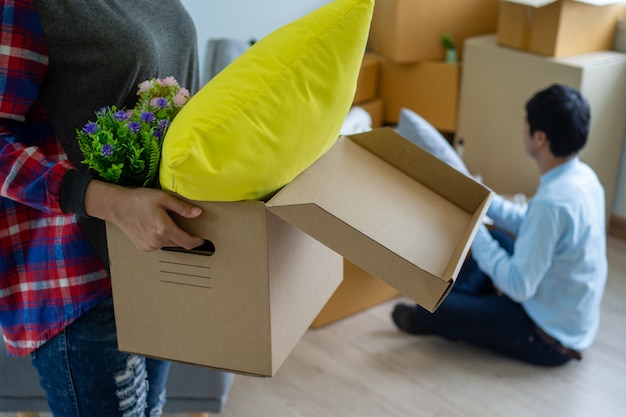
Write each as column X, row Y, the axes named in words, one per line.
column 252, row 19
column 243, row 20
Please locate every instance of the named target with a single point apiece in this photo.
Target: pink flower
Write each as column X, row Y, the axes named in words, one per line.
column 180, row 98
column 168, row 82
column 144, row 86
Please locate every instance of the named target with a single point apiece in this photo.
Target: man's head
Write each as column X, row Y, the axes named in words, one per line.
column 561, row 112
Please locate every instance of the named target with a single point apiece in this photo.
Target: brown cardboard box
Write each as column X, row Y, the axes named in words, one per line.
column 410, row 30
column 380, row 201
column 375, row 108
column 558, row 27
column 429, row 88
column 242, row 309
column 367, row 83
column 391, row 208
column 357, row 292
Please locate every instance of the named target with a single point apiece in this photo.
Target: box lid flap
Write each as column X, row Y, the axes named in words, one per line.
column 389, row 207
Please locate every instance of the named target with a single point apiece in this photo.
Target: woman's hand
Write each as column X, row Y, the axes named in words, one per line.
column 142, row 214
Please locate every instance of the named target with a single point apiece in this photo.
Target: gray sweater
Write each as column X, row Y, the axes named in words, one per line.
column 99, row 51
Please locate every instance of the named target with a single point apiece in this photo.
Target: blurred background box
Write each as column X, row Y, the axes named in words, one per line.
column 376, row 109
column 410, row 30
column 358, row 291
column 367, row 83
column 558, row 27
column 429, row 88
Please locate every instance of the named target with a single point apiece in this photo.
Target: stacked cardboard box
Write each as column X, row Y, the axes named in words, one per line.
column 558, row 28
column 407, row 34
column 540, row 42
column 366, row 95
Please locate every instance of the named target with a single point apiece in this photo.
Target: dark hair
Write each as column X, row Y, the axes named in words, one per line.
column 562, row 113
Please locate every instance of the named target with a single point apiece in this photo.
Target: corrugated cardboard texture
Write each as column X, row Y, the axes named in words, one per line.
column 391, row 208
column 242, row 309
column 565, row 27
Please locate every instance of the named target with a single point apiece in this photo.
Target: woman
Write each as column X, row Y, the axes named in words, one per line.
column 60, row 61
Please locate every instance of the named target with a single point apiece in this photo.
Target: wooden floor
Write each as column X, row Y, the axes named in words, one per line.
column 362, row 366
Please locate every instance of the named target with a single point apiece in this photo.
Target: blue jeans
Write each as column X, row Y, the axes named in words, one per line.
column 475, row 313
column 85, row 375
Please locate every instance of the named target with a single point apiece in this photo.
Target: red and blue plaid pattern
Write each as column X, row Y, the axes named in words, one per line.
column 49, row 274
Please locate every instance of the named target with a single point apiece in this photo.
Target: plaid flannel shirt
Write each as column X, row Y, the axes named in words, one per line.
column 49, row 273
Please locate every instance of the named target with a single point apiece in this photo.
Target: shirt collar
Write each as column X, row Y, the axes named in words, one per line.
column 556, row 171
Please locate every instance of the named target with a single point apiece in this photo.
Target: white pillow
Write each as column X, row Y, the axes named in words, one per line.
column 358, row 120
column 415, row 128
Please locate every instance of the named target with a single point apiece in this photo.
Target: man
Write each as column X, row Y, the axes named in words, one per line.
column 535, row 297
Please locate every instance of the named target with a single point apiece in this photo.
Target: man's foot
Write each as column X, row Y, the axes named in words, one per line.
column 406, row 320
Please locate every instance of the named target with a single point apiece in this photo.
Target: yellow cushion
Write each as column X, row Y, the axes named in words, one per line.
column 272, row 112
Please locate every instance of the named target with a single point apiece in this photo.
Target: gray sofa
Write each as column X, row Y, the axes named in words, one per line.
column 190, row 389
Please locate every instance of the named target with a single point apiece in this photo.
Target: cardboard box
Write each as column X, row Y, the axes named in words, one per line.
column 367, row 82
column 558, row 27
column 242, row 309
column 357, row 292
column 410, row 30
column 391, row 208
column 375, row 108
column 429, row 88
column 377, row 199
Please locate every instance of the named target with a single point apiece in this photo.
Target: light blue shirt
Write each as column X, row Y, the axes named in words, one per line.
column 559, row 267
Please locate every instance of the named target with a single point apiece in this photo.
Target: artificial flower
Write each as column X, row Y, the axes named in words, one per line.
column 124, row 146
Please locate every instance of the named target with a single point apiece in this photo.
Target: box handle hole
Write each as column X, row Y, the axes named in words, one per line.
column 206, row 249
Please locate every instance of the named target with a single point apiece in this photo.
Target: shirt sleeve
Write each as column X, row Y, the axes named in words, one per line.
column 506, row 214
column 28, row 174
column 519, row 275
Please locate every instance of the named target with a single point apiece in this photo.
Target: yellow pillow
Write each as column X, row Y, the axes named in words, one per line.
column 272, row 112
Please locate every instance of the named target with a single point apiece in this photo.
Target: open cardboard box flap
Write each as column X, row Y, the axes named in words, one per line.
column 391, row 208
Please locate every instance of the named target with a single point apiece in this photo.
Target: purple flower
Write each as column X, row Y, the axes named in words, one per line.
column 134, row 126
column 120, row 116
column 158, row 133
column 160, row 103
column 107, row 150
column 147, row 117
column 163, row 124
column 90, row 128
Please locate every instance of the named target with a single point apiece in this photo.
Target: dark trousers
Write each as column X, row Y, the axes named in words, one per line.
column 85, row 375
column 474, row 312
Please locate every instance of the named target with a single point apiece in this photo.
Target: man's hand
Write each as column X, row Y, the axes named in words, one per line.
column 142, row 214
